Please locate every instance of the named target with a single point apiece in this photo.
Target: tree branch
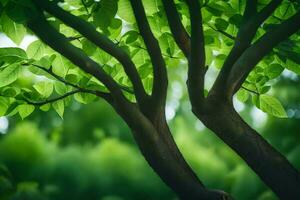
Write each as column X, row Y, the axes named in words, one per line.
column 165, row 55
column 250, row 23
column 222, row 32
column 87, row 30
column 85, row 7
column 40, row 103
column 60, row 43
column 251, row 91
column 104, row 95
column 181, row 36
column 196, row 69
column 160, row 82
column 250, row 9
column 258, row 50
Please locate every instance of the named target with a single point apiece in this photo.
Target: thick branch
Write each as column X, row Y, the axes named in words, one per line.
column 181, row 36
column 60, row 43
column 249, row 26
column 197, row 69
column 160, row 82
column 258, row 50
column 269, row 164
column 87, row 30
column 251, row 8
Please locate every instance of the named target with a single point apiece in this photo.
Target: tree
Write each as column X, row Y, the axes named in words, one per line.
column 119, row 51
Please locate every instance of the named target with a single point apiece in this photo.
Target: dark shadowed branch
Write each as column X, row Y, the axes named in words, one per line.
column 180, row 35
column 197, row 68
column 160, row 82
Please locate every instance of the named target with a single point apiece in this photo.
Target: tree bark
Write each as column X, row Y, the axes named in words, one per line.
column 157, row 145
column 269, row 164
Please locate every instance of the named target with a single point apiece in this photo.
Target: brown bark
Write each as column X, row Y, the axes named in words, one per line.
column 163, row 155
column 269, row 164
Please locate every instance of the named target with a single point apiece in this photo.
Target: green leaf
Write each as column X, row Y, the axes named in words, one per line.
column 125, row 11
column 59, row 107
column 264, row 89
column 44, row 62
column 45, row 107
column 44, row 88
column 25, row 110
column 292, row 66
column 219, row 61
column 106, row 11
column 59, row 66
column 12, row 55
column 14, row 31
column 151, row 6
column 115, row 28
column 60, row 88
column 167, row 44
column 221, row 24
column 9, row 75
column 236, row 19
column 84, row 98
column 242, row 95
column 272, row 106
column 21, row 10
column 3, row 106
column 131, row 36
column 10, row 91
column 274, row 70
column 36, row 50
column 145, row 70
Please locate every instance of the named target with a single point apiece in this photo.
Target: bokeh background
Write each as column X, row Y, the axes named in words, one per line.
column 91, row 155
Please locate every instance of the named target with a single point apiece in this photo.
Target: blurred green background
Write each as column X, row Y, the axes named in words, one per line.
column 91, row 154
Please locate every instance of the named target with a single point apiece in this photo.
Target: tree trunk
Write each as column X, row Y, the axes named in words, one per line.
column 269, row 164
column 161, row 152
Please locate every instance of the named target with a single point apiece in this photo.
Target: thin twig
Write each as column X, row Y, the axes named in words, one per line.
column 254, row 92
column 52, row 100
column 95, row 92
column 222, row 32
column 165, row 55
column 86, row 8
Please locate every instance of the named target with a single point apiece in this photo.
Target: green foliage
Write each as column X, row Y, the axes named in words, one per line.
column 59, row 107
column 115, row 19
column 37, row 79
column 271, row 105
column 14, row 31
column 12, row 55
column 9, row 75
column 104, row 12
column 25, row 110
column 40, row 168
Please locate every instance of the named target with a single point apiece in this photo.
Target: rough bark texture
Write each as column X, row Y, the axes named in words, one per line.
column 156, row 143
column 269, row 164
